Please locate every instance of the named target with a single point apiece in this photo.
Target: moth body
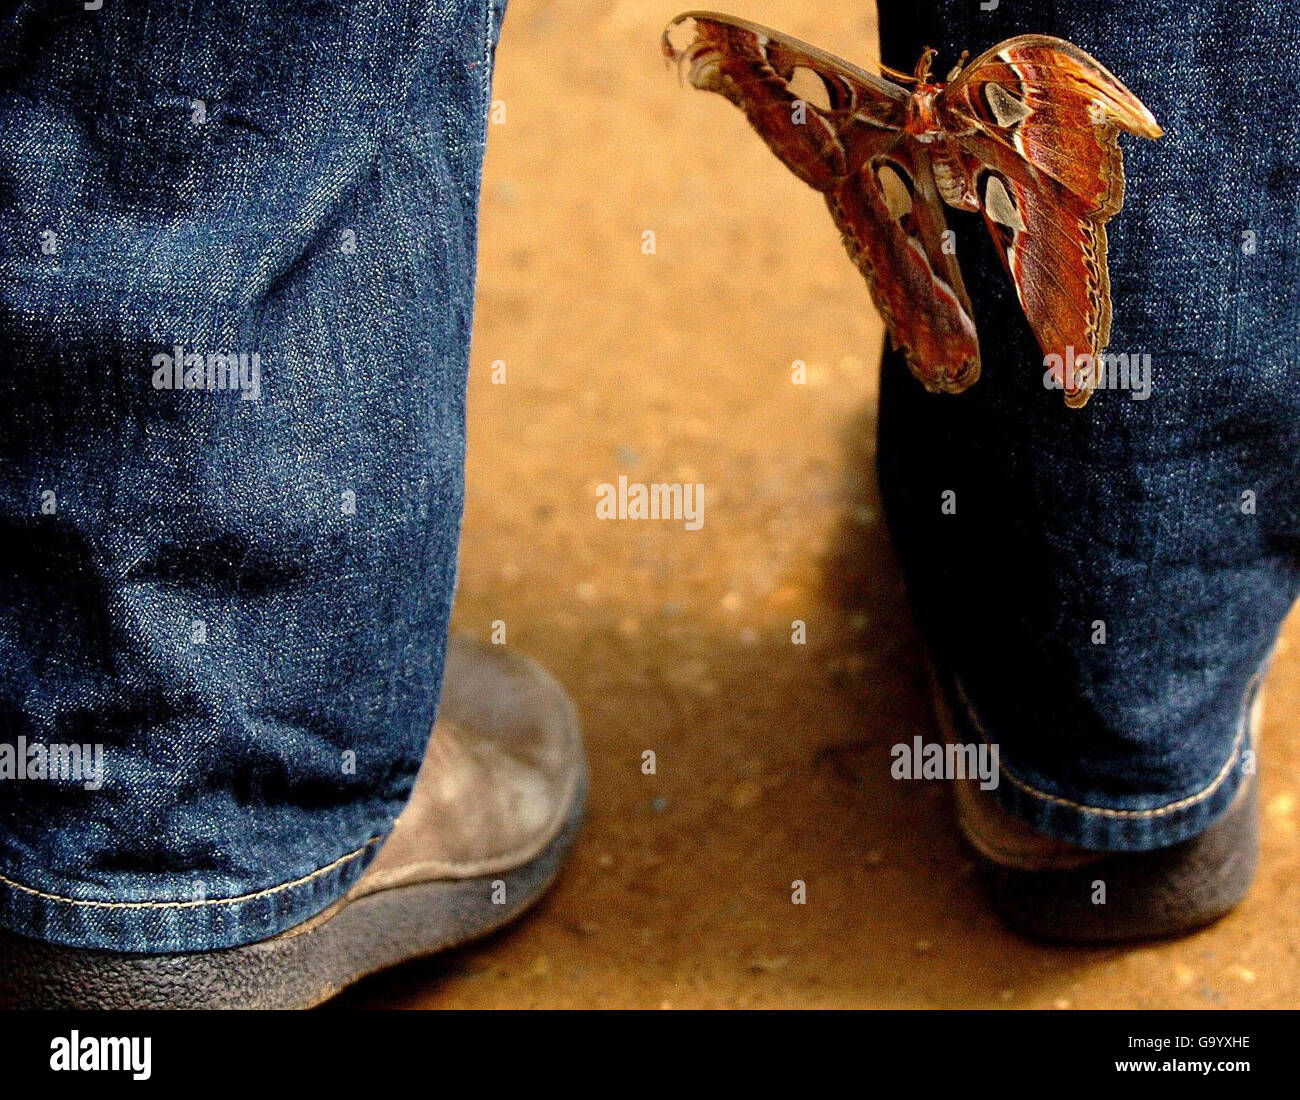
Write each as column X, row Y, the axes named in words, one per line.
column 952, row 178
column 921, row 120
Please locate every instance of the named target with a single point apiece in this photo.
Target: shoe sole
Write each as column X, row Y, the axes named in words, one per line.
column 299, row 968
column 1150, row 895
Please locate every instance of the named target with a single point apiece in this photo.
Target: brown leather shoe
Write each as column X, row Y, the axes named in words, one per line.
column 494, row 809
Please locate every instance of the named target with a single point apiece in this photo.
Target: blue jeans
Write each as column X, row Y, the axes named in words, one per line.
column 1103, row 600
column 233, row 594
column 237, row 259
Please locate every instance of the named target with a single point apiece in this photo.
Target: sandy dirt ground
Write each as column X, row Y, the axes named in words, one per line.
column 772, row 758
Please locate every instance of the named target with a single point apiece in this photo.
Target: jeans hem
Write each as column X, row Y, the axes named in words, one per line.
column 167, row 927
column 1113, row 828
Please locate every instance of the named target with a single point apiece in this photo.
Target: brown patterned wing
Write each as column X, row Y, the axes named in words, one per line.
column 839, row 129
column 1037, row 123
column 891, row 217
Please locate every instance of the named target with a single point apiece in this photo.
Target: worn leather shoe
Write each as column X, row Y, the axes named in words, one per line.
column 1046, row 889
column 495, row 807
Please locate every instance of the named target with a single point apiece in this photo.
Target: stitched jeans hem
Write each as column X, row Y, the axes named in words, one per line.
column 168, row 927
column 1145, row 824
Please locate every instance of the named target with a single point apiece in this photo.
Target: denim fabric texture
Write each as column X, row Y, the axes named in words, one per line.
column 1175, row 520
column 241, row 592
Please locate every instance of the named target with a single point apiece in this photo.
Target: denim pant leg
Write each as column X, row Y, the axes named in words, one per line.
column 1103, row 600
column 237, row 248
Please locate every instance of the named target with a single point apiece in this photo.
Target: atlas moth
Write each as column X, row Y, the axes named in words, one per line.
column 1026, row 135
